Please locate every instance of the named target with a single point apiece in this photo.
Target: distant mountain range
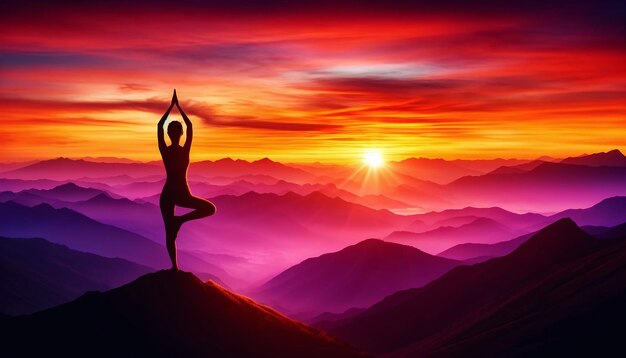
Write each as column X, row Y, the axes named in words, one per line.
column 529, row 259
column 64, row 168
column 502, row 216
column 247, row 224
column 68, row 169
column 538, row 299
column 607, row 213
column 481, row 230
column 470, row 250
column 548, row 187
column 67, row 227
column 356, row 276
column 166, row 314
column 99, row 205
column 430, row 184
column 613, row 158
column 38, row 274
column 439, row 171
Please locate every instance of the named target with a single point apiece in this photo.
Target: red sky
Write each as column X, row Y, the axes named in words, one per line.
column 307, row 83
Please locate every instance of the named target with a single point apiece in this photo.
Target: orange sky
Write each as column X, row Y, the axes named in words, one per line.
column 325, row 83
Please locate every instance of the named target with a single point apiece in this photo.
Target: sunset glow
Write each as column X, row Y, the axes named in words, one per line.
column 373, row 158
column 302, row 83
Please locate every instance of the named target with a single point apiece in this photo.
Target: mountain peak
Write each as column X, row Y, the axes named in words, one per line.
column 611, row 158
column 562, row 238
column 67, row 186
column 371, row 241
column 614, row 201
column 379, row 244
column 102, row 197
column 264, row 160
column 358, row 275
column 560, row 225
column 172, row 313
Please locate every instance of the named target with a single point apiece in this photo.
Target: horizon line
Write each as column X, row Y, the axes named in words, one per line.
column 115, row 159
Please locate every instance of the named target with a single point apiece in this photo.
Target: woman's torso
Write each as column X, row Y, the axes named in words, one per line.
column 176, row 161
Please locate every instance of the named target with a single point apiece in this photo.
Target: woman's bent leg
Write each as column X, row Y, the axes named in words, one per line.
column 203, row 208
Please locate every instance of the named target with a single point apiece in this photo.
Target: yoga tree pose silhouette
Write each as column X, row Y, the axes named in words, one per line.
column 176, row 190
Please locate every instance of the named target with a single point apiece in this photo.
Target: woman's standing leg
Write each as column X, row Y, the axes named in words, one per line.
column 171, row 228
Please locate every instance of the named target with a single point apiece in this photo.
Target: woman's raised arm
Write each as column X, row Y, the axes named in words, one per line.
column 189, row 136
column 160, row 130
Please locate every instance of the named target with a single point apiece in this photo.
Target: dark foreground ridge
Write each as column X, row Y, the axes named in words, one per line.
column 166, row 313
column 560, row 294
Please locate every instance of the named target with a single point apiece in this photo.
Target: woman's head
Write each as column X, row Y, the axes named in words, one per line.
column 175, row 131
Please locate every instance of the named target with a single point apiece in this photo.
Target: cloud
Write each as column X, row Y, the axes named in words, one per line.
column 315, row 74
column 157, row 106
column 134, row 87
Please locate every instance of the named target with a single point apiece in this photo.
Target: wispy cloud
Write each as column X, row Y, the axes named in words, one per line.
column 411, row 76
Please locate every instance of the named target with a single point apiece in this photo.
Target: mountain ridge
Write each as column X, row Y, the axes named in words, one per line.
column 355, row 276
column 462, row 292
column 168, row 313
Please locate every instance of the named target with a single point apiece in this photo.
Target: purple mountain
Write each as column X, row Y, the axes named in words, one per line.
column 38, row 274
column 65, row 192
column 356, row 276
column 67, row 169
column 466, row 293
column 613, row 158
column 481, row 230
column 608, row 212
column 548, row 187
column 503, row 217
column 469, row 251
column 166, row 314
column 67, row 227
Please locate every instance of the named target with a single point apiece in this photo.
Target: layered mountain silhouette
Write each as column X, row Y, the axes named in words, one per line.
column 237, row 168
column 613, row 158
column 166, row 314
column 480, row 230
column 16, row 185
column 548, row 187
column 575, row 311
column 524, row 280
column 78, row 232
column 315, row 209
column 65, row 192
column 519, row 168
column 38, row 274
column 64, row 168
column 282, row 187
column 69, row 169
column 140, row 218
column 613, row 232
column 608, row 212
column 603, row 215
column 497, row 214
column 437, row 170
column 97, row 204
column 485, row 251
column 356, row 276
column 302, row 226
column 467, row 306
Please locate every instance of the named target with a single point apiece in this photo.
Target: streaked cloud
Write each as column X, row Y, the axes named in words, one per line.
column 300, row 80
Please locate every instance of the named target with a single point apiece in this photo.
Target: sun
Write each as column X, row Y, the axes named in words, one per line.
column 373, row 158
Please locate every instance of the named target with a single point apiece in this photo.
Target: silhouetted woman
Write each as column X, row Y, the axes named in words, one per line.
column 176, row 190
